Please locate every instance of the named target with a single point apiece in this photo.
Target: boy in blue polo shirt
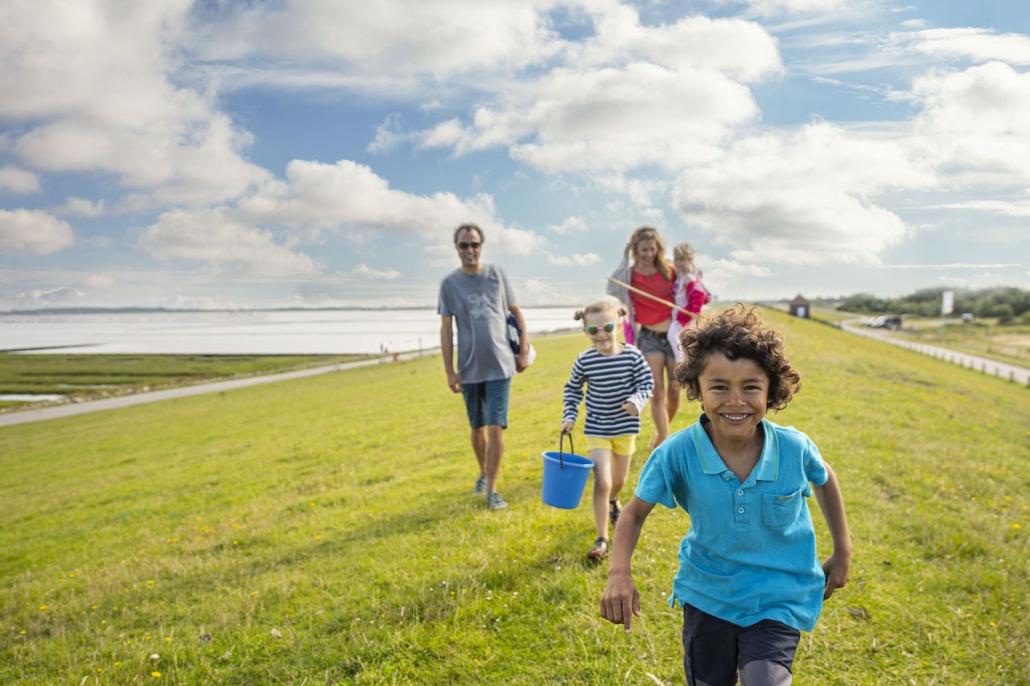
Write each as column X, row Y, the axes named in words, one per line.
column 749, row 579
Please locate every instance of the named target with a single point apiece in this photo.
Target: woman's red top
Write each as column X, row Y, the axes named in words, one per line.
column 648, row 311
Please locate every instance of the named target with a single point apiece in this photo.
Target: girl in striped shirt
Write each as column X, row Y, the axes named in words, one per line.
column 619, row 384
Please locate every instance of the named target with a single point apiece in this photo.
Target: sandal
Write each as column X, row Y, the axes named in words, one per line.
column 600, row 549
column 614, row 510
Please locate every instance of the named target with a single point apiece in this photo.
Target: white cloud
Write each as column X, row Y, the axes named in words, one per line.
column 17, row 180
column 365, row 270
column 975, row 123
column 798, row 6
column 388, row 136
column 81, row 207
column 952, row 265
column 721, row 275
column 51, row 296
column 221, row 240
column 982, row 45
column 98, row 281
column 628, row 96
column 772, row 8
column 801, row 197
column 740, row 49
column 575, row 260
column 549, row 292
column 641, row 192
column 34, row 232
column 348, row 196
column 1017, row 208
column 95, row 85
column 569, row 225
column 401, row 37
column 607, row 119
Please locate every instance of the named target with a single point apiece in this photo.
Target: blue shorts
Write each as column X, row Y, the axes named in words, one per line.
column 487, row 402
column 653, row 343
column 714, row 649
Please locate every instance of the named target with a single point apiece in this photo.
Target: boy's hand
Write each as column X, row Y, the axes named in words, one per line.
column 836, row 570
column 454, row 382
column 620, row 601
column 630, row 409
column 566, row 426
column 521, row 362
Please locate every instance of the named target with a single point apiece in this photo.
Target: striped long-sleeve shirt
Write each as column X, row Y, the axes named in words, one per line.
column 611, row 380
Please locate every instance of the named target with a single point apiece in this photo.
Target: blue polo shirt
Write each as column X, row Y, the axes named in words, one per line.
column 750, row 552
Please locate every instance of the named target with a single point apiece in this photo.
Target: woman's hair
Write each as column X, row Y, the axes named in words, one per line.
column 683, row 251
column 649, row 233
column 737, row 333
column 468, row 227
column 607, row 304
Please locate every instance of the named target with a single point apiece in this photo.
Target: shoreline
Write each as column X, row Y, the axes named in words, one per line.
column 67, row 408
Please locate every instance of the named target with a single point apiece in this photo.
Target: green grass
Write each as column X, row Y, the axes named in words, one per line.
column 321, row 531
column 86, row 377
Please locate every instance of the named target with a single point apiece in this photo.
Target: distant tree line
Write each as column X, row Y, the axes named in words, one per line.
column 1005, row 303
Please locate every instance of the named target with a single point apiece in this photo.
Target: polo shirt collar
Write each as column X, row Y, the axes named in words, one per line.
column 767, row 468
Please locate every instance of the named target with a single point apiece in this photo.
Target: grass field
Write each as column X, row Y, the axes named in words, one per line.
column 321, row 531
column 87, row 377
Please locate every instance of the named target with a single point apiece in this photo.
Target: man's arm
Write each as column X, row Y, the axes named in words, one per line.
column 522, row 359
column 832, row 504
column 447, row 348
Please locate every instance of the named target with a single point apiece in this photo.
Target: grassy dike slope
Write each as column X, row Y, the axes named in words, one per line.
column 321, row 531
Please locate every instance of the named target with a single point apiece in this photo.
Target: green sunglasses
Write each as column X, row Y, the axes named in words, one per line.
column 593, row 330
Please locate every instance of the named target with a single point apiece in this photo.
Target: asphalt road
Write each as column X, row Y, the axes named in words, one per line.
column 1011, row 372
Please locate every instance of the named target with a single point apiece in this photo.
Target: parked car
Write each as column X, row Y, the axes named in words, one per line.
column 887, row 321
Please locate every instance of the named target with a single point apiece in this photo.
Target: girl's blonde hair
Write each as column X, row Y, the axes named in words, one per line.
column 608, row 304
column 683, row 251
column 649, row 233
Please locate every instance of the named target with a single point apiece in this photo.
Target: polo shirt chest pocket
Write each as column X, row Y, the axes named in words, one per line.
column 780, row 511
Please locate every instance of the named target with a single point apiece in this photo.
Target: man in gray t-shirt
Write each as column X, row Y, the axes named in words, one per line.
column 478, row 298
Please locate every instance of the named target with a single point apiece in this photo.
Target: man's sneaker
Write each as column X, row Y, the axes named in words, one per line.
column 494, row 501
column 480, row 488
column 614, row 510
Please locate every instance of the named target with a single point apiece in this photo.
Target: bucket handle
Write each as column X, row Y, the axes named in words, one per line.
column 561, row 444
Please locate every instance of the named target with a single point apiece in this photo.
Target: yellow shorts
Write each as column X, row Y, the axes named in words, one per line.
column 620, row 445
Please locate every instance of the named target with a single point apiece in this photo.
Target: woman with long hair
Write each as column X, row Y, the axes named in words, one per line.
column 646, row 268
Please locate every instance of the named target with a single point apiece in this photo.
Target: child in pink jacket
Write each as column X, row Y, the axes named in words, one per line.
column 688, row 292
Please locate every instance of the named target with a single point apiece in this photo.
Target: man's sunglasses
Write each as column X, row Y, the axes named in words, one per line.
column 593, row 330
column 465, row 245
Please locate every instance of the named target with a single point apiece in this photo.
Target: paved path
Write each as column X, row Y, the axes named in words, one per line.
column 1011, row 372
column 71, row 409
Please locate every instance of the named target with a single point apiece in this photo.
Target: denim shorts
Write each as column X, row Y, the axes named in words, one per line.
column 487, row 402
column 653, row 342
column 714, row 649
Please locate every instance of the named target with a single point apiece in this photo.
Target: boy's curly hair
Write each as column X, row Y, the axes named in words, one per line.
column 738, row 333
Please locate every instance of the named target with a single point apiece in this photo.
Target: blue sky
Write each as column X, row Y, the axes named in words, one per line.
column 226, row 154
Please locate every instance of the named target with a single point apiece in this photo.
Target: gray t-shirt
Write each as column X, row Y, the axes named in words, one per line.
column 480, row 312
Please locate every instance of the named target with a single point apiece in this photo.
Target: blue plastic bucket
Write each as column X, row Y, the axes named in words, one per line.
column 565, row 475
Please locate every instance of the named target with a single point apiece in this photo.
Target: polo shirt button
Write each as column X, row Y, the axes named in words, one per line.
column 740, row 492
column 740, row 510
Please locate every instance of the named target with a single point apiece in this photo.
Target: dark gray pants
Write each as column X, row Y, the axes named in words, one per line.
column 714, row 650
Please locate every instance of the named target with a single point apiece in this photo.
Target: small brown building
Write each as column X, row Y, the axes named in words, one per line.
column 799, row 307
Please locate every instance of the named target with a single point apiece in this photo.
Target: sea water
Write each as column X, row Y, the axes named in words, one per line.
column 251, row 332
